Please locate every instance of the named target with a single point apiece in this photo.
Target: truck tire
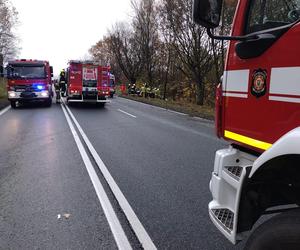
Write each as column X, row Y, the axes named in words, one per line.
column 100, row 104
column 13, row 104
column 280, row 232
column 48, row 103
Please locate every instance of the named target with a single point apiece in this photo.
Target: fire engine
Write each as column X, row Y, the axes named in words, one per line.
column 87, row 81
column 29, row 81
column 258, row 111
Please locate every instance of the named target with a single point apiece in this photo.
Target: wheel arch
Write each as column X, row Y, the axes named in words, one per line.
column 276, row 182
column 288, row 144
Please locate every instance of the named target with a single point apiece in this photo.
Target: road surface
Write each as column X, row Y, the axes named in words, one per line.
column 129, row 175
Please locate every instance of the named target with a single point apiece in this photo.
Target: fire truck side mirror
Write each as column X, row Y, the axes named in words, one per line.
column 207, row 12
column 51, row 71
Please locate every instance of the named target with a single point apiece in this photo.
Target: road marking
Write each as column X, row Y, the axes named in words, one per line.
column 126, row 113
column 176, row 112
column 153, row 106
column 114, row 223
column 4, row 110
column 132, row 218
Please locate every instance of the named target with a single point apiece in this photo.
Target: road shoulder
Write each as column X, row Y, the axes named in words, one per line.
column 3, row 103
column 204, row 112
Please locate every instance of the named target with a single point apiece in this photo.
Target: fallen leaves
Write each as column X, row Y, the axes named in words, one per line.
column 63, row 216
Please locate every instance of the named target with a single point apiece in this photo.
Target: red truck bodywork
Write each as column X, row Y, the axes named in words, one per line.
column 258, row 111
column 270, row 116
column 87, row 82
column 31, row 86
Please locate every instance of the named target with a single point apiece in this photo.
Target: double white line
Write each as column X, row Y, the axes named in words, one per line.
column 115, row 225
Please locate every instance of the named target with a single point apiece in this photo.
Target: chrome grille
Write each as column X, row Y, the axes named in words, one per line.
column 225, row 218
column 22, row 88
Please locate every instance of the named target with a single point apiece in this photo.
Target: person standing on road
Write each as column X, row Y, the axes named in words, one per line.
column 62, row 82
column 57, row 91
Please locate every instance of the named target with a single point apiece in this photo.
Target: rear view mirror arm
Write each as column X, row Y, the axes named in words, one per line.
column 230, row 38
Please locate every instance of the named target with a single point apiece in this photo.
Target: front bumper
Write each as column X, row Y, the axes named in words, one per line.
column 81, row 98
column 226, row 187
column 88, row 100
column 18, row 96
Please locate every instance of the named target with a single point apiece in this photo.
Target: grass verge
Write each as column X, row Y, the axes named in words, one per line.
column 3, row 93
column 179, row 106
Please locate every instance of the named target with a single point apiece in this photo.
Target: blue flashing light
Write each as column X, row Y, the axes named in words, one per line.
column 40, row 87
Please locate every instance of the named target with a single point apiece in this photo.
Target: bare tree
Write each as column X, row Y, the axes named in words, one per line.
column 146, row 32
column 101, row 53
column 8, row 40
column 191, row 44
column 125, row 48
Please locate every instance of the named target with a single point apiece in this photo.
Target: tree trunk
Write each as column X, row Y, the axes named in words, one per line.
column 165, row 89
column 200, row 93
column 1, row 59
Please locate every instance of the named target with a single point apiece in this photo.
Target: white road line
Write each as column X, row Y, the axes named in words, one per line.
column 160, row 108
column 114, row 223
column 135, row 223
column 4, row 110
column 145, row 104
column 126, row 113
column 176, row 112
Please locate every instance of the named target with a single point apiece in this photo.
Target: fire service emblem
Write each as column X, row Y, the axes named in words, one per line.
column 259, row 78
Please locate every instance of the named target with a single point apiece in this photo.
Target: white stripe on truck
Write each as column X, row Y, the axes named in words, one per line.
column 236, row 80
column 285, row 81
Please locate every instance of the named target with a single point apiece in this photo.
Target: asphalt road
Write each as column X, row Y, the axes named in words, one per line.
column 160, row 160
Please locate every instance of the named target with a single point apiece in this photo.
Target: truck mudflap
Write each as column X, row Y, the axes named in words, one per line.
column 226, row 186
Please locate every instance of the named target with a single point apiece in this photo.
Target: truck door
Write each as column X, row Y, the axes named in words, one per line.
column 261, row 86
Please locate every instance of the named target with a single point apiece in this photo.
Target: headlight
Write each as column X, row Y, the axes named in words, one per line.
column 11, row 94
column 44, row 93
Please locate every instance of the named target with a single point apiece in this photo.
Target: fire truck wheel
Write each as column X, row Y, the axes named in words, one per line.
column 280, row 232
column 13, row 104
column 48, row 103
column 100, row 104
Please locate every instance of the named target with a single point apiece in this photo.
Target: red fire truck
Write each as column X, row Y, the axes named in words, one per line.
column 258, row 111
column 87, row 82
column 28, row 81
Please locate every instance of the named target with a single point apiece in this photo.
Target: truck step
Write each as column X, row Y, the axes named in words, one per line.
column 234, row 171
column 225, row 217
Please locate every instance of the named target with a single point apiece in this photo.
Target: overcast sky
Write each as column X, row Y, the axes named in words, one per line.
column 61, row 30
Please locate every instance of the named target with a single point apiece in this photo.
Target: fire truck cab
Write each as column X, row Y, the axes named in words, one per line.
column 29, row 81
column 87, row 81
column 258, row 111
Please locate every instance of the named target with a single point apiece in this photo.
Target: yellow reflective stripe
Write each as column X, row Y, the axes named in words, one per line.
column 247, row 140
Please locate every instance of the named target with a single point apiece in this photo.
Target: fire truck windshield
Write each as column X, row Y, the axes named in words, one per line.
column 26, row 72
column 267, row 14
